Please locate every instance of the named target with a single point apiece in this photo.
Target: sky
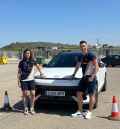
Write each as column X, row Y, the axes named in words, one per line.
column 60, row 21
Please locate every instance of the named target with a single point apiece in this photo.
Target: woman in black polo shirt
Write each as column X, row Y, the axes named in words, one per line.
column 26, row 78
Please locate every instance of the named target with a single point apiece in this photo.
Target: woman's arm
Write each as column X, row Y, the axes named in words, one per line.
column 39, row 67
column 18, row 76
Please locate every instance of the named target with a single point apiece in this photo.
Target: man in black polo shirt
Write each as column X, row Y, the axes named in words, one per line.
column 89, row 64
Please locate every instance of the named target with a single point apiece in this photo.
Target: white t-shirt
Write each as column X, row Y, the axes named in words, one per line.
column 90, row 69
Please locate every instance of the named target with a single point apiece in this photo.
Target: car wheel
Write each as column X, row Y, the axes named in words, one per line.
column 105, row 84
column 106, row 64
column 96, row 97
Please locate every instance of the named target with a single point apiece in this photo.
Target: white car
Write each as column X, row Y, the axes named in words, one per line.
column 58, row 87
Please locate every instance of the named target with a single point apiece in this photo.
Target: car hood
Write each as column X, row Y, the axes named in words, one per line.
column 58, row 73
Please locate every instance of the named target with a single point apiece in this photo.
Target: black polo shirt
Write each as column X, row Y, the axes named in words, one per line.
column 85, row 58
column 26, row 67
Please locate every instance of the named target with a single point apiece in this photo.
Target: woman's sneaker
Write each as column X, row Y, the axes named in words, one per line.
column 25, row 110
column 76, row 114
column 32, row 111
column 88, row 115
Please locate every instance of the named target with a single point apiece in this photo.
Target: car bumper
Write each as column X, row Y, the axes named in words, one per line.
column 70, row 94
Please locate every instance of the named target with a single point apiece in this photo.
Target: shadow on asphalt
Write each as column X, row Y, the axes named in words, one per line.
column 59, row 109
column 47, row 108
column 102, row 117
column 16, row 108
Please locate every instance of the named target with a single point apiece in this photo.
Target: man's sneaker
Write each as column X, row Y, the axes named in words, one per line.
column 32, row 111
column 25, row 110
column 88, row 115
column 78, row 113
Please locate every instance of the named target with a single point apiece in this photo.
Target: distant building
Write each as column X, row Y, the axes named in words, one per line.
column 97, row 46
column 105, row 46
column 54, row 48
column 40, row 48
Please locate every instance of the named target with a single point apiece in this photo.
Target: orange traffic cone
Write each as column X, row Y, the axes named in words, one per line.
column 114, row 112
column 6, row 102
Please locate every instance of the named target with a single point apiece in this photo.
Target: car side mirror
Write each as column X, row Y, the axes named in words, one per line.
column 101, row 64
column 44, row 65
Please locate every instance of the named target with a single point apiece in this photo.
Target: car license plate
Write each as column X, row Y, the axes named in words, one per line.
column 55, row 93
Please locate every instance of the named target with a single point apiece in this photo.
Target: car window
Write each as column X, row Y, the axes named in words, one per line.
column 65, row 60
column 119, row 57
column 110, row 57
column 116, row 57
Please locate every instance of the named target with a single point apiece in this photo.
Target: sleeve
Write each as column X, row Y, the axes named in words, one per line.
column 35, row 62
column 92, row 56
column 19, row 65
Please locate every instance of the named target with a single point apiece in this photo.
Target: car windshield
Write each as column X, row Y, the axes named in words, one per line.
column 64, row 60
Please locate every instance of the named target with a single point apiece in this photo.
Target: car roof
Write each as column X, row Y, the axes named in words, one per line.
column 76, row 53
column 71, row 52
column 115, row 55
column 112, row 55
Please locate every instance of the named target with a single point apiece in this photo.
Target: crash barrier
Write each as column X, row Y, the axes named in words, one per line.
column 3, row 60
column 114, row 113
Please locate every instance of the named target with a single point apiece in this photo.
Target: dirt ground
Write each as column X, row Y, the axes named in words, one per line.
column 55, row 116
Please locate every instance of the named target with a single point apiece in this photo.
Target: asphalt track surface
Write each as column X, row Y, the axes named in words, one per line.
column 55, row 116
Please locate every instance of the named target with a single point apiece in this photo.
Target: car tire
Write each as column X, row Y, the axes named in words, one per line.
column 106, row 64
column 105, row 84
column 96, row 97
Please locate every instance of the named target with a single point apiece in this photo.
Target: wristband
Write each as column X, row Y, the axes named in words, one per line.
column 73, row 75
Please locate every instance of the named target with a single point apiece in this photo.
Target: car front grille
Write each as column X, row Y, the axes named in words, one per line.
column 56, row 99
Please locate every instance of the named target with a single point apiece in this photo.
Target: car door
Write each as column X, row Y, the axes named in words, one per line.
column 116, row 58
column 119, row 60
column 101, row 75
column 111, row 60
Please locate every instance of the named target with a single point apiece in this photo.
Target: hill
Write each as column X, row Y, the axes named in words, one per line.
column 34, row 45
